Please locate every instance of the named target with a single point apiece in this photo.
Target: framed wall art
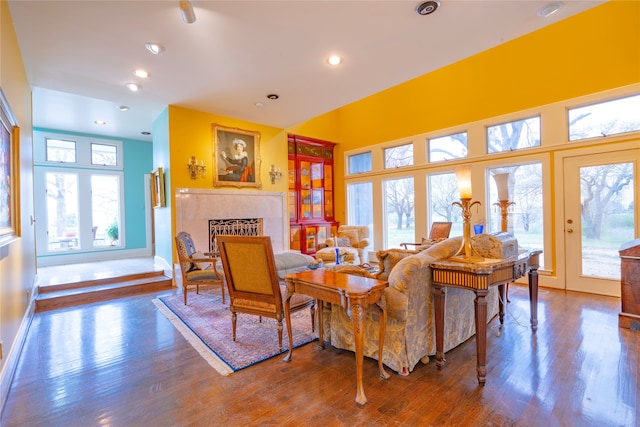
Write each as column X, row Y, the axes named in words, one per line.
column 9, row 173
column 157, row 189
column 236, row 157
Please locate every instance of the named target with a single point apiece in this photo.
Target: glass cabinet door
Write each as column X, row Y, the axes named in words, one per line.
column 328, row 191
column 305, row 190
column 317, row 191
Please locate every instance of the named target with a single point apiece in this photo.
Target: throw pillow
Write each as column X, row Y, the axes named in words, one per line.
column 200, row 265
column 343, row 241
column 388, row 259
column 352, row 235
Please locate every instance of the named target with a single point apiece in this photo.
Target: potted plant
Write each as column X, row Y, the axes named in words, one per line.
column 112, row 232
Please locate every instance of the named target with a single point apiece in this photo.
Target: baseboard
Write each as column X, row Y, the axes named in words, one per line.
column 11, row 363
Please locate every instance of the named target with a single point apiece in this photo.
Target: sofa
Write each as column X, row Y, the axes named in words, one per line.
column 352, row 241
column 410, row 330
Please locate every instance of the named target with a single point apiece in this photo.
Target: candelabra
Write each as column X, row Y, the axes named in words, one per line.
column 274, row 174
column 503, row 205
column 196, row 170
column 463, row 175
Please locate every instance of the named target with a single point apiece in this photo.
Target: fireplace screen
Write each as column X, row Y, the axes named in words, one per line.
column 234, row 227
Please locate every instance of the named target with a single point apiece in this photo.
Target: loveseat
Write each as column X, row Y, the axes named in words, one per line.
column 410, row 330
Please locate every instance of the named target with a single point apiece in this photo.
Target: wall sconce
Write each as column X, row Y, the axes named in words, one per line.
column 196, row 170
column 275, row 174
column 502, row 182
column 463, row 176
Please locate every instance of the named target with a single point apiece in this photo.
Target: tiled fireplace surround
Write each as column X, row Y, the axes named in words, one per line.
column 195, row 207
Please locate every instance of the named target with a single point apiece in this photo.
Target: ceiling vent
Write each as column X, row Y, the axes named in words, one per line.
column 428, row 7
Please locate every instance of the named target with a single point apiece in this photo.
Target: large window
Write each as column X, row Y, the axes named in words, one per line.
column 605, row 118
column 78, row 194
column 514, row 135
column 448, row 147
column 360, row 163
column 525, row 215
column 443, row 191
column 360, row 202
column 399, row 207
column 395, row 157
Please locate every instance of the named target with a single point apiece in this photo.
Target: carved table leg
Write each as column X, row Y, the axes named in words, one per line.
column 480, row 304
column 501, row 300
column 533, row 297
column 287, row 316
column 439, row 296
column 356, row 312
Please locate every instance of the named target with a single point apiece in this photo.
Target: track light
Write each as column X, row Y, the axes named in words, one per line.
column 186, row 10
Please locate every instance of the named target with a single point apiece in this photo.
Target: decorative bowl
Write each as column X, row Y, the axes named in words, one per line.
column 314, row 266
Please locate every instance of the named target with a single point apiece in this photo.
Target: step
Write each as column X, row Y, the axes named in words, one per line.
column 68, row 295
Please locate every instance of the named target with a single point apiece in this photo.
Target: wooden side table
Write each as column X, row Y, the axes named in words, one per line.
column 479, row 278
column 355, row 294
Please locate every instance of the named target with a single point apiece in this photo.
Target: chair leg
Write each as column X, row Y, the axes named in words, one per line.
column 222, row 289
column 234, row 316
column 280, row 335
column 184, row 293
column 197, row 289
column 313, row 317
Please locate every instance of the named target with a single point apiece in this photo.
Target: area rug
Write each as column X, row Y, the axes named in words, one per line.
column 206, row 324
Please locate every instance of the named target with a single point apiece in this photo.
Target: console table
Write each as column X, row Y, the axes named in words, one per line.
column 355, row 294
column 479, row 277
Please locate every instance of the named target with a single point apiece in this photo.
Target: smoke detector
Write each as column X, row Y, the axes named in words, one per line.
column 427, row 7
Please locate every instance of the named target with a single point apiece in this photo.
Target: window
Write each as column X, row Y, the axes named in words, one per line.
column 360, row 163
column 525, row 216
column 62, row 211
column 395, row 157
column 360, row 204
column 605, row 118
column 399, row 212
column 448, row 147
column 104, row 155
column 514, row 135
column 443, row 191
column 61, row 151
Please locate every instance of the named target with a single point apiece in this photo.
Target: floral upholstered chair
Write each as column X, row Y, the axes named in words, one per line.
column 351, row 241
column 198, row 269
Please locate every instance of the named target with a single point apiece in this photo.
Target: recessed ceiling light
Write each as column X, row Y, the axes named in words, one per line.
column 259, row 104
column 334, row 60
column 186, row 10
column 133, row 87
column 123, row 108
column 141, row 73
column 273, row 96
column 427, row 7
column 145, row 133
column 154, row 48
column 550, row 9
column 100, row 122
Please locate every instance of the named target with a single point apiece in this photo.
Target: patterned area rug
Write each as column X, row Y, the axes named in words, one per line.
column 206, row 323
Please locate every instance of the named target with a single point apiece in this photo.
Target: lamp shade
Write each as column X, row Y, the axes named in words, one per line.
column 463, row 176
column 502, row 182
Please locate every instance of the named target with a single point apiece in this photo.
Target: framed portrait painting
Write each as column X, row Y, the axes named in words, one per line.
column 9, row 139
column 236, row 157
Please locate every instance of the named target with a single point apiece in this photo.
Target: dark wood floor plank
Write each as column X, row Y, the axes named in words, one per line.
column 121, row 363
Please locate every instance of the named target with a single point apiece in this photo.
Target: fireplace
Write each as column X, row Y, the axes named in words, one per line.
column 234, row 227
column 196, row 207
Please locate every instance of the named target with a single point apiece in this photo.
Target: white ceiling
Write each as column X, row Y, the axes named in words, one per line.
column 79, row 54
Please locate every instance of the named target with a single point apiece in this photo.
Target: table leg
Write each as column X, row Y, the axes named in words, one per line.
column 439, row 297
column 480, row 304
column 320, row 324
column 533, row 297
column 501, row 300
column 287, row 316
column 382, row 325
column 356, row 312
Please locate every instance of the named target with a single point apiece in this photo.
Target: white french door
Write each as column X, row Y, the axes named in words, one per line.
column 600, row 207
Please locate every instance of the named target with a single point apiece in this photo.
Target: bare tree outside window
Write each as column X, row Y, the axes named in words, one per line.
column 514, row 135
column 399, row 210
column 395, row 157
column 448, row 147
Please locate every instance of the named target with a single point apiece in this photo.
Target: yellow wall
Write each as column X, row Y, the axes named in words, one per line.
column 17, row 258
column 587, row 53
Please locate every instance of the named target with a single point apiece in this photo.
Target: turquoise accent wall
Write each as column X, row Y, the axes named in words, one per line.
column 138, row 161
column 162, row 216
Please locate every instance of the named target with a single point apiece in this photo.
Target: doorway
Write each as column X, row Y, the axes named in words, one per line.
column 599, row 216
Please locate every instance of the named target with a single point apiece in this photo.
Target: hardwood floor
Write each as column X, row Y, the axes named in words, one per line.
column 121, row 363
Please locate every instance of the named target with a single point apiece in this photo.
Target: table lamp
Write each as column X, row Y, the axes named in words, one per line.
column 463, row 176
column 502, row 182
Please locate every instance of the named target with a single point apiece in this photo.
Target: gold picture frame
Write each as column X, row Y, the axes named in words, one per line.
column 9, row 173
column 236, row 157
column 157, row 189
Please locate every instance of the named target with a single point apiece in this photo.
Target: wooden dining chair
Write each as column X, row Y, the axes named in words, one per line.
column 198, row 269
column 439, row 231
column 252, row 280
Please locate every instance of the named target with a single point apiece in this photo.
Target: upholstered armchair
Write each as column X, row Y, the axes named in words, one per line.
column 351, row 239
